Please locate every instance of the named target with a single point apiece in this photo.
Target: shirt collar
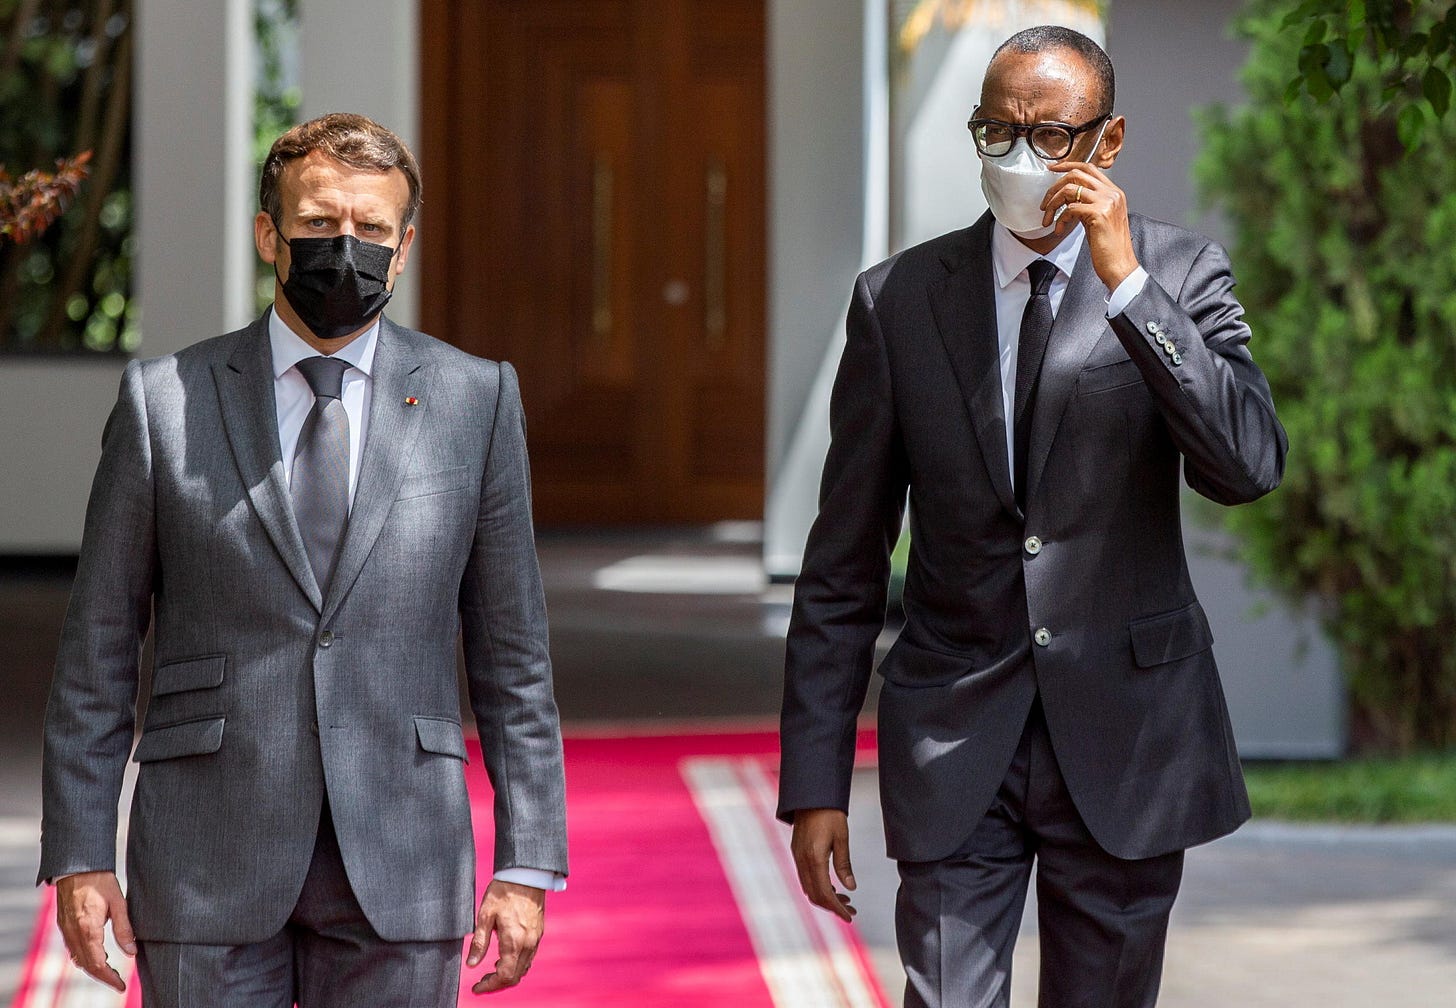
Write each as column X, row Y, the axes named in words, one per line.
column 1010, row 258
column 289, row 348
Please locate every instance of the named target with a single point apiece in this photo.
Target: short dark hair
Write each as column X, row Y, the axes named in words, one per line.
column 1044, row 38
column 350, row 139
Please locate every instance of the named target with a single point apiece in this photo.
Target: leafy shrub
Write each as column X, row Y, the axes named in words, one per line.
column 1344, row 249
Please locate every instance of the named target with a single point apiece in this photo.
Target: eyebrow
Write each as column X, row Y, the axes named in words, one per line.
column 306, row 212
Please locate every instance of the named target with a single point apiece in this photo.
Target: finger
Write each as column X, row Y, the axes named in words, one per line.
column 121, row 928
column 812, row 863
column 1091, row 170
column 92, row 960
column 492, row 982
column 480, row 940
column 1068, row 190
column 820, row 890
column 107, row 975
column 1072, row 215
column 843, row 870
column 509, row 969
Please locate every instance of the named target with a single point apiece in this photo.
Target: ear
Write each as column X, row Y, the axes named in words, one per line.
column 265, row 237
column 1111, row 145
column 402, row 256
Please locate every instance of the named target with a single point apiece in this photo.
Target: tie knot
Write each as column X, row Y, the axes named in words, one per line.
column 1042, row 274
column 325, row 375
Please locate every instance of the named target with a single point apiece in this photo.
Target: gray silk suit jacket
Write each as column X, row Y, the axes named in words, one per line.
column 1084, row 600
column 268, row 696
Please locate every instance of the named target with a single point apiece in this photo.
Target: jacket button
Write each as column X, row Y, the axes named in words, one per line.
column 1154, row 328
column 1032, row 545
column 1043, row 637
column 326, row 639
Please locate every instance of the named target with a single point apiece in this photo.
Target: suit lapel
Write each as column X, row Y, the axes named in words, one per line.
column 399, row 374
column 964, row 304
column 1081, row 321
column 250, row 419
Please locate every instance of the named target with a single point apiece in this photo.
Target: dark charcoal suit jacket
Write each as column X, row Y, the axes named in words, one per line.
column 1124, row 668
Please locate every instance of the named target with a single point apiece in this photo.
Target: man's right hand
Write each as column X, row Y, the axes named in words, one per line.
column 821, row 836
column 84, row 903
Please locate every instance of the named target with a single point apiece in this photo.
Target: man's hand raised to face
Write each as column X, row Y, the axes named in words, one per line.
column 84, row 903
column 821, row 836
column 1094, row 201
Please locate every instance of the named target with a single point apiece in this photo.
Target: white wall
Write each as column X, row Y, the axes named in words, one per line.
column 52, row 412
column 363, row 56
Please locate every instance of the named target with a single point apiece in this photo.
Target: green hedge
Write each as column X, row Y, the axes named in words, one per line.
column 1345, row 249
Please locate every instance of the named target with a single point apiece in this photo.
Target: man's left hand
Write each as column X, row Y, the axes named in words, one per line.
column 1093, row 201
column 516, row 915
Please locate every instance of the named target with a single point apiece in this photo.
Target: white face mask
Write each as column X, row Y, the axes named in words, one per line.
column 1016, row 183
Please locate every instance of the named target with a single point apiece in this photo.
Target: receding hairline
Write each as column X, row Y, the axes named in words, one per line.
column 1057, row 39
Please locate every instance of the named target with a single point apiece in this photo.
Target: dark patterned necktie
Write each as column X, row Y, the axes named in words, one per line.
column 321, row 467
column 1036, row 327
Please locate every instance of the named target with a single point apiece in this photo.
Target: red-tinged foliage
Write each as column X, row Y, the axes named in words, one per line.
column 30, row 204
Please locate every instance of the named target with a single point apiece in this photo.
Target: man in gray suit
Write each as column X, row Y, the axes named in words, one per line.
column 1034, row 382
column 309, row 512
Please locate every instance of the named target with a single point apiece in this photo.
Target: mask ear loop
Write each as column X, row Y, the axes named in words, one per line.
column 1101, row 134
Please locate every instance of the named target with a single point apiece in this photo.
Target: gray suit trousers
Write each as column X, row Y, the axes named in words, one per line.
column 327, row 956
column 1102, row 920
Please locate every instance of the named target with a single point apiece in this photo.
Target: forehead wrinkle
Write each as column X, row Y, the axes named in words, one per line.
column 319, row 187
column 1051, row 86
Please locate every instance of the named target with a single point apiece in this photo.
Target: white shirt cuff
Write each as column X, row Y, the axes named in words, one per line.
column 1130, row 288
column 538, row 878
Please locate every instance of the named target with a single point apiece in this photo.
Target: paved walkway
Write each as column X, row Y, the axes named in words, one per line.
column 1272, row 916
column 1275, row 916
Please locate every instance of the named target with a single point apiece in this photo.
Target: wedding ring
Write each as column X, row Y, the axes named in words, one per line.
column 1078, row 197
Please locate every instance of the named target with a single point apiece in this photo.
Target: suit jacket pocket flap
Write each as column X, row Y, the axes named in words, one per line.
column 909, row 665
column 191, row 738
column 189, row 674
column 1170, row 636
column 440, row 735
column 1106, row 377
column 443, row 481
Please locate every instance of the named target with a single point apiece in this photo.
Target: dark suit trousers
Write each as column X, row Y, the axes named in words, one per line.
column 327, row 956
column 1102, row 920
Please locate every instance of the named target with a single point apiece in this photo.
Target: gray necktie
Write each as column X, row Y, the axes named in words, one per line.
column 321, row 467
column 1036, row 326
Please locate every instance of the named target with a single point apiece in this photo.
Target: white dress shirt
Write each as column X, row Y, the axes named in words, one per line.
column 1009, row 260
column 294, row 399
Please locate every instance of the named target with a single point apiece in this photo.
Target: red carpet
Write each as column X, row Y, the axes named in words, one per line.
column 681, row 893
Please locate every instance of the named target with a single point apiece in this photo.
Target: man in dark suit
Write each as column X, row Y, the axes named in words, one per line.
column 309, row 512
column 1034, row 382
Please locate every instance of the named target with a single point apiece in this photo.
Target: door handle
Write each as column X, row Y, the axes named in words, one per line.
column 715, row 259
column 601, row 216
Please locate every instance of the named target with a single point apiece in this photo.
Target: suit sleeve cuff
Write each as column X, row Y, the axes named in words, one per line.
column 538, row 878
column 1130, row 288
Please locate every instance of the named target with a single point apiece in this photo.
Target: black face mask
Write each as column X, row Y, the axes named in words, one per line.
column 337, row 284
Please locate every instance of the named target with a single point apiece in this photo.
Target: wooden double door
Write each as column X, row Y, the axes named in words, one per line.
column 595, row 214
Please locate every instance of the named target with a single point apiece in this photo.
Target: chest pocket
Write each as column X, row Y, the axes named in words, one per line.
column 1106, row 377
column 440, row 482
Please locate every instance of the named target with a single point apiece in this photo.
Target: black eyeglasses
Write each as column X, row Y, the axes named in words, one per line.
column 1051, row 140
